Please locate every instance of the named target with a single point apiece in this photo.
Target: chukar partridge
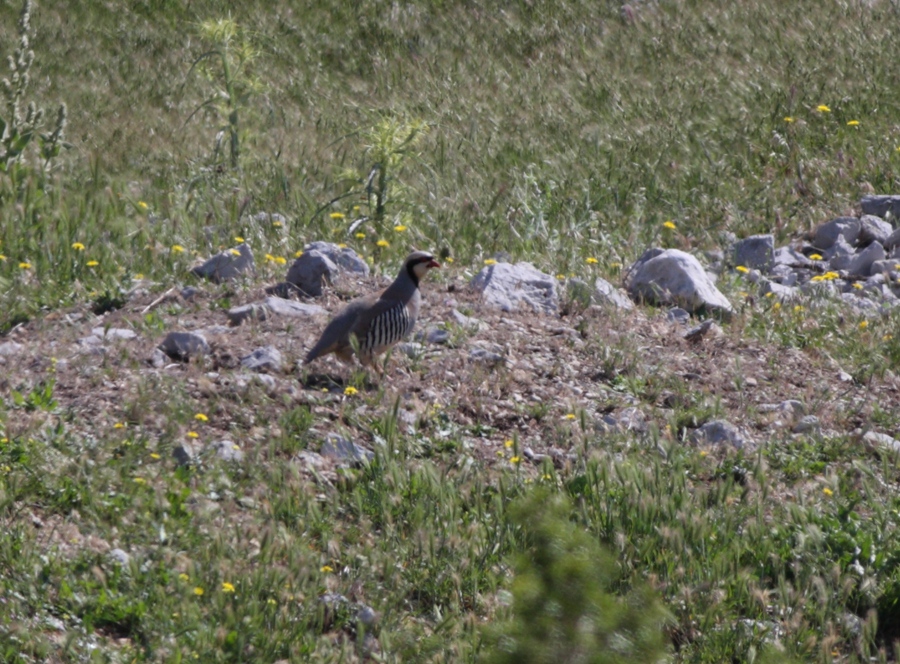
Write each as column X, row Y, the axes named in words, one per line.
column 377, row 321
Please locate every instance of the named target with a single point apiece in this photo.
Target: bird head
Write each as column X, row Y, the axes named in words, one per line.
column 418, row 263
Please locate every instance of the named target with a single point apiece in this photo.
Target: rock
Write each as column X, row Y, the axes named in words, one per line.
column 671, row 276
column 607, row 294
column 184, row 454
column 109, row 333
column 226, row 265
column 119, row 556
column 226, row 450
column 876, row 442
column 791, row 258
column 342, row 449
column 8, row 348
column 466, row 322
column 806, row 424
column 881, row 206
column 237, row 315
column 433, row 335
column 888, row 267
column 718, row 432
column 284, row 290
column 629, row 419
column 755, row 252
column 707, row 328
column 828, row 233
column 158, row 359
column 779, row 292
column 873, row 229
column 345, row 258
column 267, row 358
column 282, row 307
column 311, row 271
column 184, row 345
column 508, row 286
column 411, row 349
column 188, row 292
column 678, row 315
column 893, row 240
column 484, row 356
column 840, row 254
column 862, row 263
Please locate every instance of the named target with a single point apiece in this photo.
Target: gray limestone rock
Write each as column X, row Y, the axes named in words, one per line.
column 344, row 450
column 267, row 358
column 509, row 287
column 292, row 308
column 311, row 271
column 113, row 333
column 673, row 277
column 718, row 432
column 226, row 265
column 873, row 229
column 184, row 345
column 828, row 233
column 237, row 315
column 755, row 252
column 861, row 264
column 881, row 206
column 226, row 450
column 345, row 258
column 9, row 348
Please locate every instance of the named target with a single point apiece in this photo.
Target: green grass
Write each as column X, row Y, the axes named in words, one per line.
column 555, row 131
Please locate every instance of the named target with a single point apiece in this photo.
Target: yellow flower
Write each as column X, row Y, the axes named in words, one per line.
column 234, row 252
column 863, row 324
column 857, row 285
column 198, row 591
column 227, row 587
column 281, row 260
column 270, row 257
column 853, row 123
column 139, row 480
column 277, row 224
column 560, row 276
column 570, row 416
column 2, row 258
column 798, row 308
column 590, row 260
column 25, row 266
column 154, row 456
column 490, row 261
column 92, row 263
column 183, row 577
column 177, row 248
column 77, row 246
column 142, row 205
column 350, row 391
column 615, row 266
column 818, row 277
column 788, row 119
column 742, row 269
column 449, row 259
column 827, row 491
column 514, row 460
column 201, row 417
column 298, row 253
column 776, row 306
column 831, row 275
column 508, row 444
column 360, row 236
column 399, row 228
column 822, row 108
column 383, row 243
column 815, row 257
column 326, row 569
column 192, row 434
column 238, row 239
column 337, row 215
column 342, row 246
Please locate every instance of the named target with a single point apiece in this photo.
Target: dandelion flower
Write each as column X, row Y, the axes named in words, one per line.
column 515, row 460
column 337, row 216
column 2, row 258
column 399, row 228
column 669, row 224
column 449, row 259
column 326, row 569
column 227, row 587
column 815, row 257
column 342, row 246
column 818, row 278
column 277, row 224
column 234, row 252
column 853, row 123
column 142, row 205
column 383, row 243
column 92, row 263
column 298, row 253
column 827, row 491
column 77, row 246
column 507, row 444
column 177, row 248
column 25, row 266
column 184, row 577
column 280, row 260
column 350, row 391
column 270, row 257
column 742, row 269
column 857, row 285
column 776, row 306
column 798, row 308
column 788, row 119
column 139, row 480
column 570, row 416
column 822, row 108
column 490, row 261
column 615, row 266
column 155, row 456
column 591, row 260
column 863, row 324
column 192, row 434
column 201, row 417
column 198, row 591
column 360, row 236
column 238, row 239
column 561, row 277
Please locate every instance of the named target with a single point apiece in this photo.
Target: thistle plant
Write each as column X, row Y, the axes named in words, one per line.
column 19, row 127
column 390, row 143
column 227, row 67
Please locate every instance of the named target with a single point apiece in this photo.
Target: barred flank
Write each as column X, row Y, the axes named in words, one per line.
column 387, row 329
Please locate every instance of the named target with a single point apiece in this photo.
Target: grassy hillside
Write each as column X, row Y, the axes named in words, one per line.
column 553, row 131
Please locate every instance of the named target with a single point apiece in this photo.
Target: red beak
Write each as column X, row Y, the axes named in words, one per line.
column 433, row 263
